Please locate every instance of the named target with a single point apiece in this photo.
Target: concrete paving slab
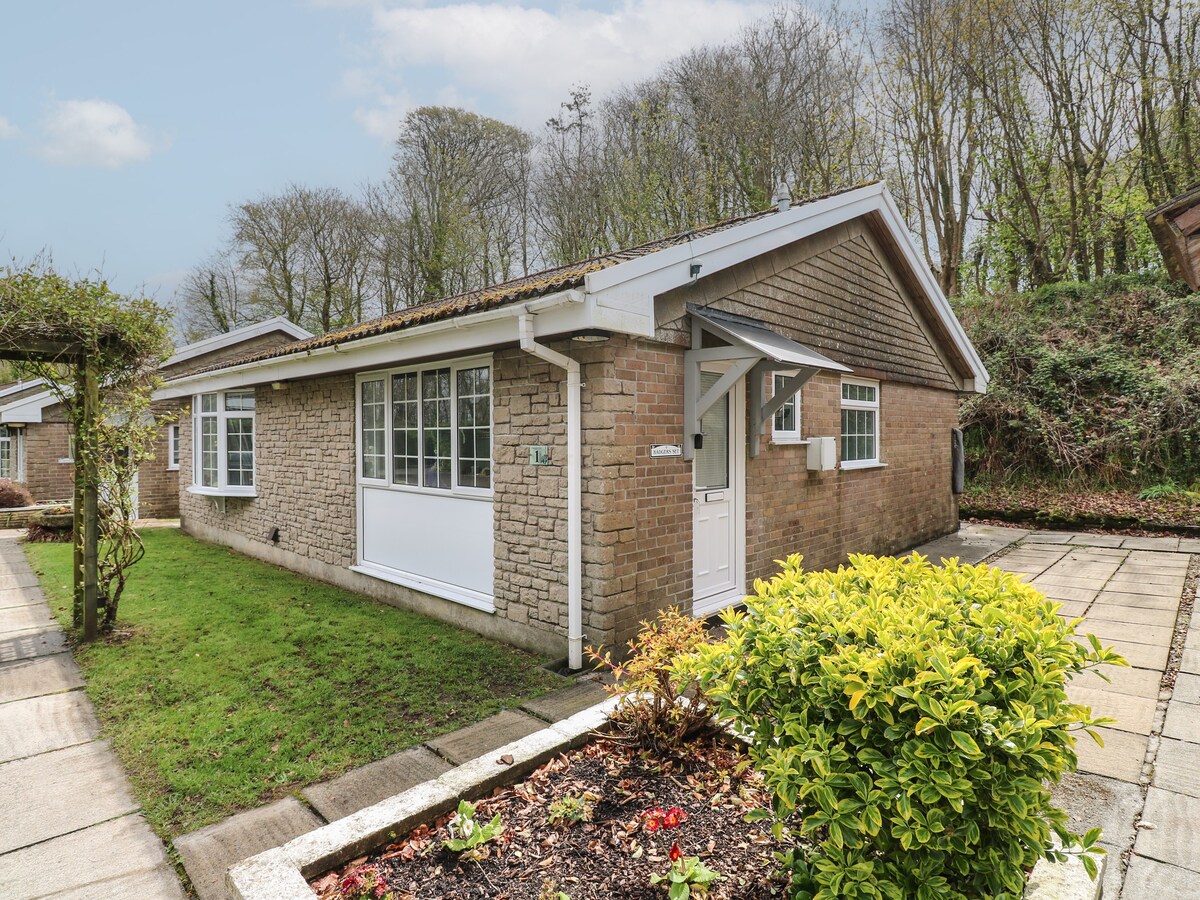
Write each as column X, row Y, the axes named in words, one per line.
column 40, row 724
column 484, row 737
column 1187, row 688
column 1049, row 537
column 1132, row 713
column 1177, row 767
column 112, row 850
column 1149, row 879
column 1092, row 801
column 1189, row 545
column 1072, row 609
column 1183, row 721
column 1123, row 680
column 70, row 789
column 1190, row 662
column 18, row 580
column 367, row 785
column 35, row 615
column 1054, row 579
column 1121, row 756
column 1098, row 540
column 1173, row 838
column 38, row 676
column 1171, row 585
column 1142, row 656
column 11, row 597
column 1059, row 592
column 565, row 702
column 208, row 853
column 1167, row 560
column 1139, row 600
column 1151, row 635
column 1132, row 615
column 31, row 644
column 159, row 884
column 1192, row 640
column 1169, row 544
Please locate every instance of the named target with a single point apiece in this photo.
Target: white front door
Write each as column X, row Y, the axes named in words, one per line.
column 718, row 505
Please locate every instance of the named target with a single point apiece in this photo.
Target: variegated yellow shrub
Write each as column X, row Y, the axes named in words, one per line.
column 908, row 719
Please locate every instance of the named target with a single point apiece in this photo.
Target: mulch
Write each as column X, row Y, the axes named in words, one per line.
column 614, row 854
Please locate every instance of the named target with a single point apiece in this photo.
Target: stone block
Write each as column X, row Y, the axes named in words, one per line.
column 369, row 784
column 208, row 853
column 484, row 737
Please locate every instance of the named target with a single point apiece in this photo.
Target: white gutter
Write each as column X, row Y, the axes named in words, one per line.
column 574, row 491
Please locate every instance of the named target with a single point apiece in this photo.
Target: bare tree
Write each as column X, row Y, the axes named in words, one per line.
column 212, row 299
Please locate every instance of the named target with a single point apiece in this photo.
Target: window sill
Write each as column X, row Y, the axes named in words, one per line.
column 67, row 461
column 785, row 441
column 432, row 586
column 172, row 468
column 860, row 466
column 221, row 492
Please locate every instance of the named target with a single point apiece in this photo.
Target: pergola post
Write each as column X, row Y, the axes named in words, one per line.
column 86, row 470
column 77, row 527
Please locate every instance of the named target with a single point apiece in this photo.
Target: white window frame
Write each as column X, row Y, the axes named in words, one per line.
column 223, row 488
column 875, row 407
column 11, row 437
column 454, row 365
column 785, row 435
column 173, row 448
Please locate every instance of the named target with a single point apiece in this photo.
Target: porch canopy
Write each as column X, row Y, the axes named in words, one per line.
column 752, row 348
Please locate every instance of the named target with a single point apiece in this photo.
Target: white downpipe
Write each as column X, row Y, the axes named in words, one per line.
column 574, row 489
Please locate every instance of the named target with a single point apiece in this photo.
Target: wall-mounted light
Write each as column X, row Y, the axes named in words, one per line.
column 694, row 273
column 278, row 385
column 591, row 336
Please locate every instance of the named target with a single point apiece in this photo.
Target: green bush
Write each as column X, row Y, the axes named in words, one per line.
column 907, row 719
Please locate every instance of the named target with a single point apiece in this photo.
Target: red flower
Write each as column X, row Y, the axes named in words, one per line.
column 676, row 854
column 674, row 817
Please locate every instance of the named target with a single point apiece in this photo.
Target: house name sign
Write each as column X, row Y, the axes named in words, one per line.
column 663, row 451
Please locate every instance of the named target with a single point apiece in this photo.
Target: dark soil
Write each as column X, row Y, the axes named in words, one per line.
column 1054, row 505
column 611, row 856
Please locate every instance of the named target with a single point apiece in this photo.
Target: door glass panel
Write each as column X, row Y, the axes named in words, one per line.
column 712, row 460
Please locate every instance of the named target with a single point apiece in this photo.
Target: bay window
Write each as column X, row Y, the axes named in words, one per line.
column 438, row 436
column 223, row 443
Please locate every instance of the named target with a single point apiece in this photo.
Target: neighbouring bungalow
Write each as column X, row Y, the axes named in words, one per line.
column 1176, row 228
column 552, row 459
column 37, row 445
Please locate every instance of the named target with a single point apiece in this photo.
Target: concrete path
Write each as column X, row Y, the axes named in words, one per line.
column 69, row 826
column 1143, row 787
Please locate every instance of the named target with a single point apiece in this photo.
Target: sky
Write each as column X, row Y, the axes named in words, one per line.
column 128, row 129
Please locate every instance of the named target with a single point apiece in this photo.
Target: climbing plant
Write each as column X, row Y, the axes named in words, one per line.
column 99, row 353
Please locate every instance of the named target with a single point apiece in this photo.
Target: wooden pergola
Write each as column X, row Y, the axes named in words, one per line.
column 42, row 344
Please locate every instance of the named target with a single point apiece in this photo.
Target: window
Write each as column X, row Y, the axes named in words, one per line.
column 860, row 423
column 785, row 427
column 440, row 437
column 8, row 455
column 223, row 446
column 172, row 446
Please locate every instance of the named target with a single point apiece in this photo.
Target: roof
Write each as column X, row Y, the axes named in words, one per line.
column 526, row 287
column 761, row 338
column 1176, row 229
column 614, row 292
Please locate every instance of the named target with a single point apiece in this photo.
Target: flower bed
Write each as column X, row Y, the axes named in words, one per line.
column 602, row 821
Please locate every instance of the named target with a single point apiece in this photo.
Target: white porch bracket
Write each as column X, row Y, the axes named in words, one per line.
column 761, row 413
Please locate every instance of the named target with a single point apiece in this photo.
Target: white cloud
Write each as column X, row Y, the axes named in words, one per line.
column 524, row 59
column 8, row 129
column 93, row 133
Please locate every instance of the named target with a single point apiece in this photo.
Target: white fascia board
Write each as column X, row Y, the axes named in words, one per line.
column 27, row 411
column 632, row 286
column 245, row 333
column 19, row 386
column 556, row 314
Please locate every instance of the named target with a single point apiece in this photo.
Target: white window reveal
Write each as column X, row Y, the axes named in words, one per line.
column 425, row 479
column 860, row 423
column 172, row 447
column 8, row 453
column 785, row 426
column 223, row 444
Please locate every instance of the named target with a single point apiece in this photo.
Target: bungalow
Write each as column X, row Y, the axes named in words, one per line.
column 36, row 444
column 562, row 454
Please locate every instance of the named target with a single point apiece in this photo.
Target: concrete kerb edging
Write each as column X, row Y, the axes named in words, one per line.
column 283, row 873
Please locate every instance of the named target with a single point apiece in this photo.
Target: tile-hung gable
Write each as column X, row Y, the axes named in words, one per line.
column 556, row 456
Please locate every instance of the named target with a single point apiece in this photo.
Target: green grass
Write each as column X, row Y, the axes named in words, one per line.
column 234, row 683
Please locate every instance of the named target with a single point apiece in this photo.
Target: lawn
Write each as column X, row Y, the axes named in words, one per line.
column 235, row 683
